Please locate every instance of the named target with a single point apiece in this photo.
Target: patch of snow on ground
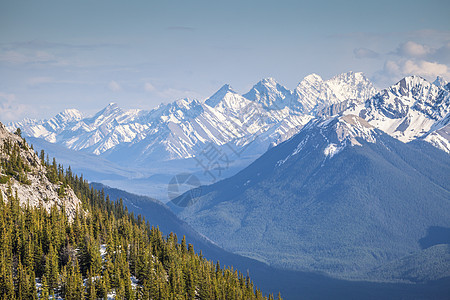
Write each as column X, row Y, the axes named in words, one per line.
column 438, row 141
column 111, row 295
column 331, row 150
column 295, row 152
column 134, row 282
column 103, row 251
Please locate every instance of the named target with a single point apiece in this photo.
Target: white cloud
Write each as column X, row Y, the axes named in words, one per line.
column 365, row 53
column 412, row 58
column 412, row 49
column 10, row 109
column 149, row 87
column 114, row 86
column 425, row 68
column 429, row 70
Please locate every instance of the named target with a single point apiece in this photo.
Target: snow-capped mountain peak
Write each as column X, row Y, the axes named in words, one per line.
column 410, row 86
column 219, row 95
column 269, row 93
column 331, row 135
column 312, row 78
column 110, row 109
column 313, row 94
column 64, row 118
column 440, row 82
column 345, row 128
column 70, row 115
column 408, row 110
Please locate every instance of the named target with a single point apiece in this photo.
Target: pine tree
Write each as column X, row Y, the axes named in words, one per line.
column 38, row 243
column 44, row 288
column 91, row 294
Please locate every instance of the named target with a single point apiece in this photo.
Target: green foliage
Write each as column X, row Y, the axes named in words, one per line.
column 18, row 132
column 4, row 179
column 13, row 164
column 42, row 244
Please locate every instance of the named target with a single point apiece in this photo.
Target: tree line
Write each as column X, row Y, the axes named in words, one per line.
column 104, row 250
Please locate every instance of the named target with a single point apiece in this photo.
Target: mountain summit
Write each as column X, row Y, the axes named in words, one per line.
column 341, row 197
column 313, row 93
column 411, row 109
column 270, row 94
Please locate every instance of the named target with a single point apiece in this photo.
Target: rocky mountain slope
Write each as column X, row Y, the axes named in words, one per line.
column 24, row 176
column 412, row 108
column 341, row 197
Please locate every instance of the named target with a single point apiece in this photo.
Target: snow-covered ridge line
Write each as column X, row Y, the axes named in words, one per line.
column 182, row 128
column 413, row 108
column 409, row 109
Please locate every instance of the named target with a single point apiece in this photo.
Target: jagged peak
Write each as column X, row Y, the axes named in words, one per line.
column 412, row 80
column 408, row 84
column 267, row 91
column 269, row 81
column 349, row 119
column 312, row 78
column 350, row 75
column 71, row 114
column 226, row 88
column 111, row 107
column 338, row 132
column 186, row 103
column 440, row 82
column 219, row 95
column 344, row 127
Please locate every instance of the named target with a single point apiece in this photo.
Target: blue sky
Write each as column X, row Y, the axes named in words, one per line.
column 85, row 54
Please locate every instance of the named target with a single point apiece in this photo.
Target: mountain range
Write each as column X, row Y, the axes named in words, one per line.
column 215, row 138
column 180, row 129
column 332, row 177
column 298, row 284
column 341, row 197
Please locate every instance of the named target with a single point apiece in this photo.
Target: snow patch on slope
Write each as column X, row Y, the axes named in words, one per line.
column 332, row 149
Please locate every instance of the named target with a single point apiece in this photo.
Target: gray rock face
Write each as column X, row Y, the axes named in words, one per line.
column 38, row 190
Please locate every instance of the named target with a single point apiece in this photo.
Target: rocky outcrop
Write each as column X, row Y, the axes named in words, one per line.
column 31, row 185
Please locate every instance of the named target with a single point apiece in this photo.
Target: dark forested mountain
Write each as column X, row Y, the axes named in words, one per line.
column 292, row 284
column 96, row 249
column 340, row 197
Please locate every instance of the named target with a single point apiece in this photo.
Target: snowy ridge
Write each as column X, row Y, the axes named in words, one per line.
column 408, row 110
column 314, row 94
column 181, row 129
column 413, row 108
column 270, row 94
column 335, row 133
column 440, row 82
column 440, row 138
